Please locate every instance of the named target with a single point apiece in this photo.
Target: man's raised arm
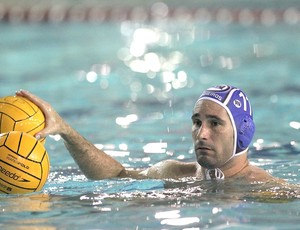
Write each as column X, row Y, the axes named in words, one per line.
column 93, row 162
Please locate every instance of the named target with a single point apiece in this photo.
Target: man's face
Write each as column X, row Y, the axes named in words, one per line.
column 212, row 134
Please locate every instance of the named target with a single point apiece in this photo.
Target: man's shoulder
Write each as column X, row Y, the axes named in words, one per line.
column 254, row 173
column 172, row 169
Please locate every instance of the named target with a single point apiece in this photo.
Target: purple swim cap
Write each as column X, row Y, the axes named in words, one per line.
column 239, row 110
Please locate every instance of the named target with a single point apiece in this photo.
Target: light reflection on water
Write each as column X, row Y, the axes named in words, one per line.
column 145, row 203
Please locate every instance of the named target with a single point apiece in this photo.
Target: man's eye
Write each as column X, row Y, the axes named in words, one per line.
column 197, row 122
column 215, row 123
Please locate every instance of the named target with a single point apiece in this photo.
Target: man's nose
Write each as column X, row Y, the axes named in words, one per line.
column 203, row 132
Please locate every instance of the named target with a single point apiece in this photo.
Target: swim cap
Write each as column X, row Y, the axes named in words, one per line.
column 239, row 110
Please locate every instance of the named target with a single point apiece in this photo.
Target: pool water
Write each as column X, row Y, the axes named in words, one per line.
column 130, row 88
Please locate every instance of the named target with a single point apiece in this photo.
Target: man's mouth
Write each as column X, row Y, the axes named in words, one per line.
column 203, row 149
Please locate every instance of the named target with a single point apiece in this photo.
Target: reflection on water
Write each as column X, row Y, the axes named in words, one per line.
column 26, row 212
column 142, row 203
column 30, row 203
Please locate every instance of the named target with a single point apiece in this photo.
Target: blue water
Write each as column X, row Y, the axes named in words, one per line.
column 127, row 86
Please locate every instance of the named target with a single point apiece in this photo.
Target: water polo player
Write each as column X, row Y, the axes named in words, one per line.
column 222, row 131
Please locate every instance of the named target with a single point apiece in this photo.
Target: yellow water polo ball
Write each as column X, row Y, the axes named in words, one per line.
column 24, row 163
column 20, row 114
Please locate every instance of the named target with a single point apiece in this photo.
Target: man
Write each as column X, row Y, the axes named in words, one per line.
column 222, row 129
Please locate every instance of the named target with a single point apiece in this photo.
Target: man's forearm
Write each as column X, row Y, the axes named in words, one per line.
column 93, row 162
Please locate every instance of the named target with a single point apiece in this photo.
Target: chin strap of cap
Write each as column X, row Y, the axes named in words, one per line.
column 217, row 173
column 214, row 174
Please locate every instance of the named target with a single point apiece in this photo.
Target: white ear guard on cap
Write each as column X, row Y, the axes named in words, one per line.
column 245, row 132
